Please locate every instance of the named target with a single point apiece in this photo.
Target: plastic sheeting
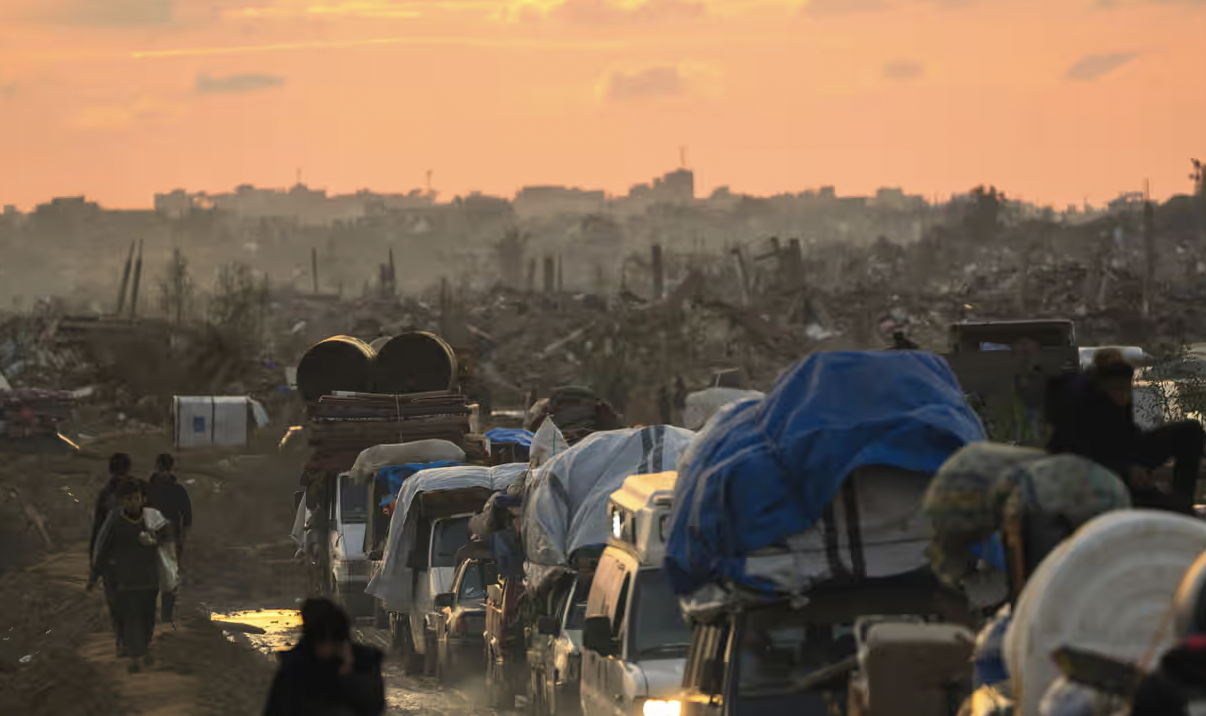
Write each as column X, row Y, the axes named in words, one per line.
column 765, row 470
column 702, row 405
column 566, row 504
column 504, row 436
column 547, row 443
column 394, row 475
column 369, row 462
column 392, row 582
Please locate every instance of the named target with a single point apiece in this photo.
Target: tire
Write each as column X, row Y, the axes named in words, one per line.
column 431, row 659
column 412, row 661
column 380, row 616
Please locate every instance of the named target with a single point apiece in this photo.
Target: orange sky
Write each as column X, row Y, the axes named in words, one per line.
column 1052, row 100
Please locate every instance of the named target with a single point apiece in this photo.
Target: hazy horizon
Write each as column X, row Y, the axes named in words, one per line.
column 1053, row 102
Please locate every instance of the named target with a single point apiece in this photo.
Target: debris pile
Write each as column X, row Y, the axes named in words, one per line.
column 29, row 413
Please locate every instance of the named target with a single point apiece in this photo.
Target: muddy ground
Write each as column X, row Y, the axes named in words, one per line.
column 56, row 651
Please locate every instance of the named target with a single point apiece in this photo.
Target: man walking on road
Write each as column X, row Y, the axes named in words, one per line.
column 167, row 495
column 106, row 503
column 327, row 674
column 127, row 555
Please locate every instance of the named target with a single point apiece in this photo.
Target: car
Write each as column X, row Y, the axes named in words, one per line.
column 461, row 622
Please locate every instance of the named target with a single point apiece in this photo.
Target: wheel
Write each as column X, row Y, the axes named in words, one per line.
column 412, row 661
column 431, row 658
column 380, row 616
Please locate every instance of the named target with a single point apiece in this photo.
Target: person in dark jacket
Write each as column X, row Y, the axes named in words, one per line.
column 167, row 495
column 327, row 674
column 126, row 555
column 106, row 502
column 1092, row 415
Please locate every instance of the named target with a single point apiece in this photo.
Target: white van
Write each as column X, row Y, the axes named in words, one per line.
column 348, row 519
column 635, row 638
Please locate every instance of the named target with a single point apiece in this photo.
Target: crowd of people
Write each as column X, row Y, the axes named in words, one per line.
column 139, row 529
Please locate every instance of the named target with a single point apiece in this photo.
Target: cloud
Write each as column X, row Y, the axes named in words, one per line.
column 375, row 9
column 1094, row 67
column 107, row 13
column 120, row 116
column 821, row 8
column 604, row 12
column 658, row 82
column 231, row 84
column 902, row 70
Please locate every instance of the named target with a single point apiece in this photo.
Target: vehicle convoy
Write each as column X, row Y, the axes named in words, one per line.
column 533, row 637
column 635, row 636
column 430, row 524
column 797, row 515
column 344, row 420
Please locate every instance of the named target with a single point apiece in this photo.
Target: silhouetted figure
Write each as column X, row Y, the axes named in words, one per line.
column 327, row 674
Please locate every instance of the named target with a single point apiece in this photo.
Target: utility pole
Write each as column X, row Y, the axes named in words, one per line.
column 314, row 268
column 125, row 280
column 1149, row 250
column 137, row 280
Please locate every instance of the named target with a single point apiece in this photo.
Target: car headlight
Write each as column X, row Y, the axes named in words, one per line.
column 655, row 707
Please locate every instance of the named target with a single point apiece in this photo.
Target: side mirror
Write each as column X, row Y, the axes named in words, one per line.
column 548, row 626
column 445, row 600
column 596, row 635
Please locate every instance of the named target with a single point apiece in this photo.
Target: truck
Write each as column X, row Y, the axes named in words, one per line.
column 635, row 636
column 800, row 514
column 1004, row 366
column 534, row 615
column 429, row 525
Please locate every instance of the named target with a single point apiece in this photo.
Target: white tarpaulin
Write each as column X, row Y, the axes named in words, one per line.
column 702, row 405
column 210, row 421
column 547, row 443
column 566, row 505
column 369, row 462
column 392, row 581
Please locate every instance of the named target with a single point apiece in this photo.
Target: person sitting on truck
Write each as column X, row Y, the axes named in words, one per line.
column 1092, row 415
column 327, row 674
column 577, row 411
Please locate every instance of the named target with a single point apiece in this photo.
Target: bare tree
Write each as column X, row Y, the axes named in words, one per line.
column 176, row 290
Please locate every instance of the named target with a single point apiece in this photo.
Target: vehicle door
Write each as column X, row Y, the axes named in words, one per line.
column 603, row 682
column 444, row 616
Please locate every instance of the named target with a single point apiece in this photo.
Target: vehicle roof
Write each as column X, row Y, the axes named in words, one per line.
column 639, row 491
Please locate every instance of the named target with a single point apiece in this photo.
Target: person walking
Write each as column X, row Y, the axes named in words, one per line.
column 106, row 502
column 126, row 556
column 327, row 674
column 166, row 494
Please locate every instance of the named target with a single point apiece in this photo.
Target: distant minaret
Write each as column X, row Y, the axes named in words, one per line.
column 299, row 176
column 682, row 157
column 428, row 181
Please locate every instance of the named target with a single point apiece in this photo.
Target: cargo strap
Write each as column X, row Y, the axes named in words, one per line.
column 858, row 563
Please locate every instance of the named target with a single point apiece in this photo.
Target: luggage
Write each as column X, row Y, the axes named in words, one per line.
column 911, row 668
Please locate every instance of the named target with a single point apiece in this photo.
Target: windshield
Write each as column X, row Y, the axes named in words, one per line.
column 777, row 650
column 448, row 536
column 353, row 501
column 660, row 631
column 473, row 584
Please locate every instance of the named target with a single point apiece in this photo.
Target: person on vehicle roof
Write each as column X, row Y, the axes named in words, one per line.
column 1092, row 415
column 327, row 674
column 577, row 411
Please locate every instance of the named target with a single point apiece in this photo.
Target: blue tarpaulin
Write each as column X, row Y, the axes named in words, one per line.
column 510, row 435
column 394, row 475
column 765, row 469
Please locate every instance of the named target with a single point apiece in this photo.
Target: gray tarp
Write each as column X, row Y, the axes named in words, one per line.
column 392, row 580
column 566, row 504
column 369, row 462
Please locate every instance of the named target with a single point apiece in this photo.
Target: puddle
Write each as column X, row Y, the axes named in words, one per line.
column 280, row 627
